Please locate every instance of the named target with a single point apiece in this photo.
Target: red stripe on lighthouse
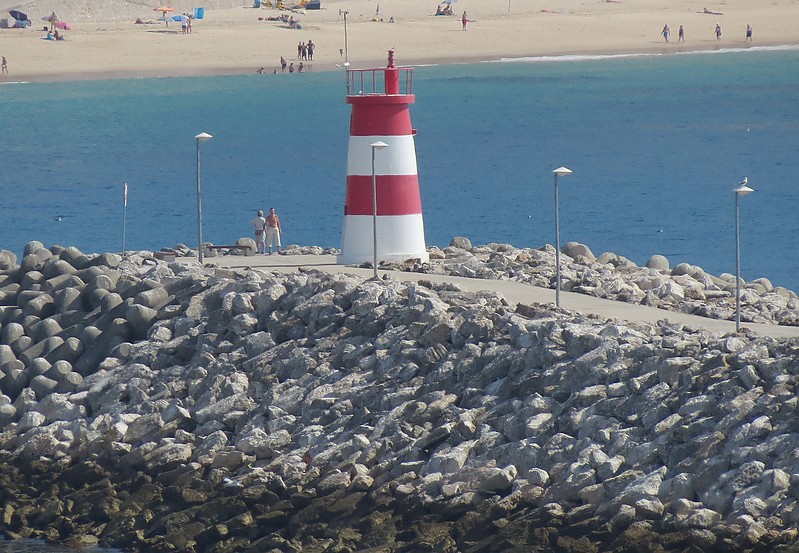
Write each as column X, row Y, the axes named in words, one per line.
column 380, row 115
column 396, row 195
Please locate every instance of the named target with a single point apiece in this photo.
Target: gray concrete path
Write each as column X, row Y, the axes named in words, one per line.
column 514, row 292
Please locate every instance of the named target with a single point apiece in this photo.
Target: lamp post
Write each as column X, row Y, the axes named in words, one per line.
column 742, row 190
column 124, row 215
column 345, row 13
column 379, row 145
column 562, row 172
column 346, row 52
column 202, row 137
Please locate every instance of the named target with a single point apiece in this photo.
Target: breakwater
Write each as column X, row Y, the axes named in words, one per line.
column 164, row 406
column 685, row 288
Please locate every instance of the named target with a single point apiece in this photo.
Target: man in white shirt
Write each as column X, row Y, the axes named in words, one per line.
column 259, row 222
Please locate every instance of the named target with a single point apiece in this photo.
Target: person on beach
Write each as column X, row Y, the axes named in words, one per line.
column 283, row 64
column 259, row 223
column 53, row 19
column 464, row 20
column 260, row 71
column 748, row 33
column 665, row 32
column 311, row 47
column 681, row 34
column 301, row 68
column 188, row 24
column 718, row 31
column 291, row 67
column 299, row 49
column 304, row 52
column 4, row 66
column 273, row 230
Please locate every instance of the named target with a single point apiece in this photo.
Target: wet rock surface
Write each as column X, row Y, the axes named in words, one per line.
column 167, row 407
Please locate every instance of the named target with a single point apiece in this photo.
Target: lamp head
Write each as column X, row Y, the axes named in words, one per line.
column 743, row 188
column 562, row 171
column 203, row 137
column 379, row 145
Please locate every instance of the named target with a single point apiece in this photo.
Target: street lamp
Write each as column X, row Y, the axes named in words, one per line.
column 202, row 137
column 742, row 190
column 379, row 145
column 562, row 172
column 346, row 52
column 345, row 13
column 124, row 215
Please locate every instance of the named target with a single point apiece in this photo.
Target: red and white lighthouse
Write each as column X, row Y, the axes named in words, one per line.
column 380, row 99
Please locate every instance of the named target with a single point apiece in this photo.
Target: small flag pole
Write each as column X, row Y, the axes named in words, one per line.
column 124, row 216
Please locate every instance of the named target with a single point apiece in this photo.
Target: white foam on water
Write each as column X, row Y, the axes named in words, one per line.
column 597, row 57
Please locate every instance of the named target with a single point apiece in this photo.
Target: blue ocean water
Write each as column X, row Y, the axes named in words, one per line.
column 656, row 143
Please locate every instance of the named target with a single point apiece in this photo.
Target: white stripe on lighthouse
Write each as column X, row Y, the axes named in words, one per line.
column 398, row 159
column 399, row 237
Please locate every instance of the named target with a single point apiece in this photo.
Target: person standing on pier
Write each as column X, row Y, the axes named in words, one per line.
column 259, row 223
column 273, row 230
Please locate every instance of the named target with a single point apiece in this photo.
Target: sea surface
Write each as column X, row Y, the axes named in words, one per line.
column 656, row 145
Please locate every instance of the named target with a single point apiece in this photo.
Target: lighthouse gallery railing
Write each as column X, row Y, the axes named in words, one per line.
column 370, row 82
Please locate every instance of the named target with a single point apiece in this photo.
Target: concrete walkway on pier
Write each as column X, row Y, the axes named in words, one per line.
column 514, row 292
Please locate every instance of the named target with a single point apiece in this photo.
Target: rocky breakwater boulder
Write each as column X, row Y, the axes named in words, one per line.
column 62, row 312
column 313, row 412
column 685, row 288
column 244, row 246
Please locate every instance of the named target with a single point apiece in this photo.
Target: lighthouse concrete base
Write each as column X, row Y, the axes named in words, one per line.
column 399, row 238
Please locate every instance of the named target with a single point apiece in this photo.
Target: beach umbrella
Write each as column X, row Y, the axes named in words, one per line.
column 63, row 25
column 164, row 10
column 18, row 15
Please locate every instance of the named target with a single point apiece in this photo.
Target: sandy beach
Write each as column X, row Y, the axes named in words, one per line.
column 231, row 39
